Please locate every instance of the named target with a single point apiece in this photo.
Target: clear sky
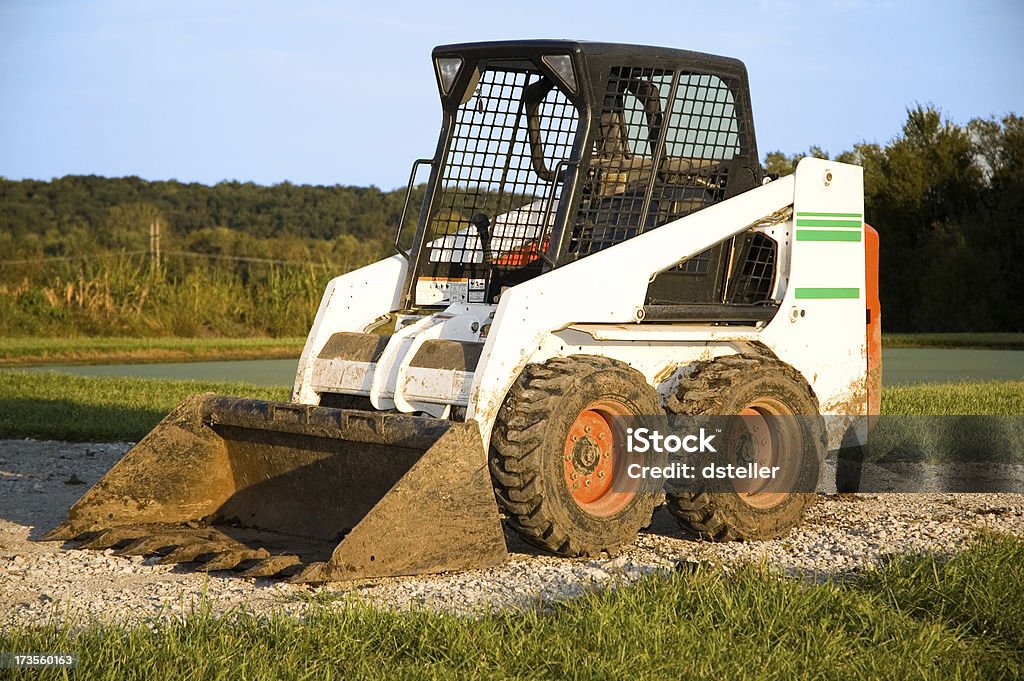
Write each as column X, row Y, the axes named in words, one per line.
column 343, row 93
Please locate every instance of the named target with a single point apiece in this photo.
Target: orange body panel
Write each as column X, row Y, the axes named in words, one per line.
column 874, row 320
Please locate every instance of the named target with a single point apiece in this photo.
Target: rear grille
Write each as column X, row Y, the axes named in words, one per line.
column 755, row 278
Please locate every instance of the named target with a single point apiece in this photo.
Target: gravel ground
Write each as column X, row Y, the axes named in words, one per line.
column 39, row 582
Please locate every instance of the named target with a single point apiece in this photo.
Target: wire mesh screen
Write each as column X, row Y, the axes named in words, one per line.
column 755, row 279
column 623, row 158
column 685, row 165
column 701, row 138
column 505, row 155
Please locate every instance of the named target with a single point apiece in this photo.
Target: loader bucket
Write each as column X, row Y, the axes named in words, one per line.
column 316, row 493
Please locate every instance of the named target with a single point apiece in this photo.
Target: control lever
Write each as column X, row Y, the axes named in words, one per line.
column 482, row 224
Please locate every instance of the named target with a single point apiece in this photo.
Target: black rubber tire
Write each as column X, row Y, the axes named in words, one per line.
column 724, row 387
column 527, row 454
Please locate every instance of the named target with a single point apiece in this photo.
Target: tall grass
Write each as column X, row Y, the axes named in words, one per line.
column 124, row 296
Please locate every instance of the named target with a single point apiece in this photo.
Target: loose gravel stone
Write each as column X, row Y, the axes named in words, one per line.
column 40, row 582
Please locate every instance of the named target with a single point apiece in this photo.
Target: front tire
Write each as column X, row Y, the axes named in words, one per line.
column 558, row 460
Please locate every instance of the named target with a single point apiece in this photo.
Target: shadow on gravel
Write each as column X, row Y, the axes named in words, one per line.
column 516, row 544
column 664, row 524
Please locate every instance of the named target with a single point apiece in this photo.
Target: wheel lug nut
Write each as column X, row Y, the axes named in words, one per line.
column 600, row 436
column 568, row 457
column 600, row 474
column 575, row 475
column 587, row 429
column 764, row 443
column 589, row 482
column 575, row 437
column 575, row 485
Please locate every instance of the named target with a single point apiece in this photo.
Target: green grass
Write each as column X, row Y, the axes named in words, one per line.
column 22, row 351
column 80, row 408
column 988, row 397
column 919, row 617
column 26, row 351
column 979, row 589
column 1004, row 341
column 926, row 422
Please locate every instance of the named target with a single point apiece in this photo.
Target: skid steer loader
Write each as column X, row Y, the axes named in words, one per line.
column 597, row 240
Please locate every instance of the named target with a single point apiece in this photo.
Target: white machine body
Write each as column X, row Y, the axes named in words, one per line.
column 595, row 306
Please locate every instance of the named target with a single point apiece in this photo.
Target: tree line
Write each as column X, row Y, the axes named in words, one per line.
column 80, row 215
column 945, row 198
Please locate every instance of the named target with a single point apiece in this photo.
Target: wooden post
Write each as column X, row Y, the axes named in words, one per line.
column 154, row 244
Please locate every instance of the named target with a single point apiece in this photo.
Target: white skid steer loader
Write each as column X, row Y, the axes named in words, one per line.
column 597, row 241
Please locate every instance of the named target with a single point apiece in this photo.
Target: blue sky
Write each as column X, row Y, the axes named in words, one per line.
column 343, row 93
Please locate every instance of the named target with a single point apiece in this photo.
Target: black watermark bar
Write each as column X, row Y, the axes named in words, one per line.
column 765, row 453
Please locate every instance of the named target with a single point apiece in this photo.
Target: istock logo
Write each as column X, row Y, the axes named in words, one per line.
column 643, row 440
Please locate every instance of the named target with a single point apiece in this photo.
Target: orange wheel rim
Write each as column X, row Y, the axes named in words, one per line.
column 594, row 460
column 754, row 439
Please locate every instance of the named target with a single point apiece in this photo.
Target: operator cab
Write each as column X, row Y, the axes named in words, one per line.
column 553, row 150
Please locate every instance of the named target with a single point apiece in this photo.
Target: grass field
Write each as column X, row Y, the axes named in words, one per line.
column 988, row 397
column 79, row 408
column 917, row 617
column 61, row 407
column 28, row 351
column 1005, row 341
column 93, row 350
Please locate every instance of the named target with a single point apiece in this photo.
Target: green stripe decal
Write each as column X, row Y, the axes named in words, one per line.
column 826, row 235
column 829, row 215
column 826, row 293
column 845, row 224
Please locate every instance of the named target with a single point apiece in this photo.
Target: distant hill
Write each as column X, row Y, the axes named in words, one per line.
column 80, row 214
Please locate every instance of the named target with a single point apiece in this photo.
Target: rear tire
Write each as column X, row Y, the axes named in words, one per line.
column 755, row 387
column 555, row 453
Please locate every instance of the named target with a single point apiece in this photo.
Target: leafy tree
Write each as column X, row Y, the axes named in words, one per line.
column 127, row 225
column 778, row 163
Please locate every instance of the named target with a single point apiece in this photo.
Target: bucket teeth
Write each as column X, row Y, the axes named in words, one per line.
column 189, row 552
column 147, row 545
column 226, row 560
column 113, row 537
column 268, row 567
